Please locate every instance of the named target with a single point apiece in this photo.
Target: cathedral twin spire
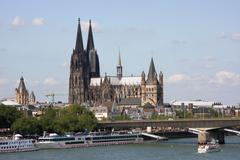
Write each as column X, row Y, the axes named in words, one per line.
column 84, row 66
column 79, row 39
column 90, row 43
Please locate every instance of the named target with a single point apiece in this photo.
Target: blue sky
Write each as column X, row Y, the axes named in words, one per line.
column 196, row 44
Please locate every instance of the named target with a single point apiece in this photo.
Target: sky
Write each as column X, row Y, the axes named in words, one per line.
column 196, row 44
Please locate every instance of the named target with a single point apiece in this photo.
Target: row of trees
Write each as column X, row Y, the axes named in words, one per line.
column 8, row 115
column 71, row 119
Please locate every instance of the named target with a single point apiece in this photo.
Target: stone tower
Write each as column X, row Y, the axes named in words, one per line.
column 143, row 89
column 32, row 98
column 79, row 71
column 161, row 88
column 119, row 67
column 152, row 88
column 93, row 56
column 22, row 96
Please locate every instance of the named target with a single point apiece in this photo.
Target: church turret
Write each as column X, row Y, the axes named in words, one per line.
column 92, row 53
column 161, row 78
column 151, row 73
column 143, row 89
column 119, row 67
column 22, row 96
column 152, row 87
column 161, row 88
column 143, row 78
column 32, row 98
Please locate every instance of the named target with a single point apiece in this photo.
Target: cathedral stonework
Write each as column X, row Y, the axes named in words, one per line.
column 86, row 86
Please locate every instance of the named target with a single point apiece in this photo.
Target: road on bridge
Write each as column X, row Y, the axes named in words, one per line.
column 187, row 123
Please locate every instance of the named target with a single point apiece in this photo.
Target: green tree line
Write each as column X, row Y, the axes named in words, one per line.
column 74, row 118
column 8, row 115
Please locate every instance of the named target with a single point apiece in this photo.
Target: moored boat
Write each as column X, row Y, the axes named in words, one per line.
column 70, row 141
column 17, row 144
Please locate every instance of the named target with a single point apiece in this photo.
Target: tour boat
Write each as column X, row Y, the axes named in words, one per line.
column 17, row 144
column 209, row 147
column 54, row 140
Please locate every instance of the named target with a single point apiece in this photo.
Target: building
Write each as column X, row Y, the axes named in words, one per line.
column 86, row 86
column 22, row 95
column 196, row 104
column 84, row 65
column 32, row 98
column 101, row 112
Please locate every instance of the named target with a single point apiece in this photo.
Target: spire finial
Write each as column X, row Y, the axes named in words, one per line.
column 119, row 58
column 79, row 41
column 90, row 43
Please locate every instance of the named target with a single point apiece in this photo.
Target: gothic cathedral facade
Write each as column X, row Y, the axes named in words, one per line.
column 86, row 86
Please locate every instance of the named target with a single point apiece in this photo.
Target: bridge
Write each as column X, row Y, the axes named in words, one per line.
column 187, row 123
column 206, row 129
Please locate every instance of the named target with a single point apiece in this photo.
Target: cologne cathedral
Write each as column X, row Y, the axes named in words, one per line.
column 86, row 86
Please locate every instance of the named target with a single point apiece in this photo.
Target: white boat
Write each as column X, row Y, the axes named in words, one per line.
column 17, row 144
column 69, row 141
column 212, row 146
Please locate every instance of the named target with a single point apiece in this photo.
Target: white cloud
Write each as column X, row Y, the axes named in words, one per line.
column 18, row 21
column 235, row 36
column 39, row 21
column 65, row 65
column 3, row 81
column 85, row 26
column 226, row 78
column 50, row 81
column 177, row 78
column 221, row 35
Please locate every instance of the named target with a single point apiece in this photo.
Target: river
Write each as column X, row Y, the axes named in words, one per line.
column 177, row 149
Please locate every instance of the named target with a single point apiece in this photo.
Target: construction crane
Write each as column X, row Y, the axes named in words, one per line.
column 52, row 96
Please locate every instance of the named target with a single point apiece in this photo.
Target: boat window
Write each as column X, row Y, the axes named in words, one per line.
column 88, row 138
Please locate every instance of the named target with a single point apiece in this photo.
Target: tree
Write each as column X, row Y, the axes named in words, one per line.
column 27, row 126
column 8, row 115
column 75, row 118
column 47, row 121
column 122, row 117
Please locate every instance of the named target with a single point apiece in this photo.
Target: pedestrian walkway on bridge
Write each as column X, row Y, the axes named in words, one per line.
column 153, row 136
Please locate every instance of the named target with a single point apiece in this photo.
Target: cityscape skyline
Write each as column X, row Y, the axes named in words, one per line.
column 194, row 44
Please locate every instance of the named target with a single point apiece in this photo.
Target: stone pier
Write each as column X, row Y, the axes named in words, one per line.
column 207, row 136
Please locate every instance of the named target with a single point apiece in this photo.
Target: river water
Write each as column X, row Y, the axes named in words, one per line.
column 178, row 149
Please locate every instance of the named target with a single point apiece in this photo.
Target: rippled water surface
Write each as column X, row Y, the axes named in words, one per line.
column 179, row 149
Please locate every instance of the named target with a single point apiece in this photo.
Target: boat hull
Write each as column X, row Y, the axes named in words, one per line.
column 19, row 150
column 23, row 145
column 63, row 145
column 208, row 148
